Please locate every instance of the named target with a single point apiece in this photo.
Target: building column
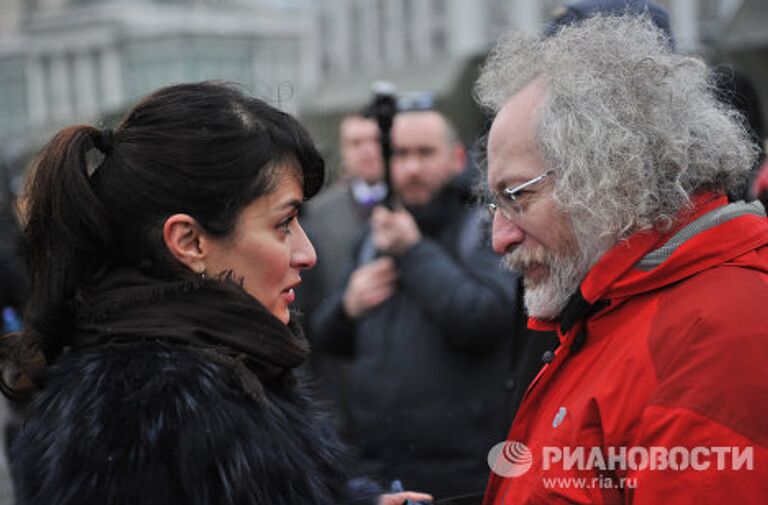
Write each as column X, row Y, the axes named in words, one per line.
column 339, row 37
column 60, row 88
column 85, row 84
column 421, row 31
column 395, row 35
column 370, row 33
column 685, row 24
column 36, row 94
column 311, row 47
column 465, row 28
column 259, row 63
column 111, row 79
column 526, row 15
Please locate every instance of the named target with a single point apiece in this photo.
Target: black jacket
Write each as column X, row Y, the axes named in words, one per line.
column 427, row 392
column 12, row 278
column 146, row 423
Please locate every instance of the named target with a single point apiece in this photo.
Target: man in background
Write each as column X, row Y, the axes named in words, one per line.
column 335, row 219
column 428, row 318
column 334, row 222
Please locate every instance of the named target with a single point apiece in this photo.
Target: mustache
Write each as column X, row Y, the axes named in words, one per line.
column 520, row 259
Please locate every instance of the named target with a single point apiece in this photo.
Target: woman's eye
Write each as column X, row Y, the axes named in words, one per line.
column 285, row 225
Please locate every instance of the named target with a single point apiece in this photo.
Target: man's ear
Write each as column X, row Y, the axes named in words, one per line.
column 459, row 158
column 183, row 238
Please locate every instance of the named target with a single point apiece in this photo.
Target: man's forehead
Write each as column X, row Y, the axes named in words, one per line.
column 357, row 125
column 428, row 123
column 513, row 138
column 519, row 115
column 502, row 175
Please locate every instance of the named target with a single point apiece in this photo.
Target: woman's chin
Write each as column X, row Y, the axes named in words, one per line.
column 284, row 314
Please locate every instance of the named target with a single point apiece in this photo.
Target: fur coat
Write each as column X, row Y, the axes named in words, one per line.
column 126, row 415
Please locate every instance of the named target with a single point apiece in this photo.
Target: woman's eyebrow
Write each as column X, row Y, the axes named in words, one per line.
column 295, row 203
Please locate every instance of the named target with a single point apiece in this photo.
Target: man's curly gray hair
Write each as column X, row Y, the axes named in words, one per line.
column 631, row 128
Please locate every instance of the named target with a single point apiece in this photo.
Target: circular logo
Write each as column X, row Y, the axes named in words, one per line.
column 510, row 459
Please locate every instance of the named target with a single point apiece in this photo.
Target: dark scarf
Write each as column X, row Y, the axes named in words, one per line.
column 215, row 316
column 437, row 219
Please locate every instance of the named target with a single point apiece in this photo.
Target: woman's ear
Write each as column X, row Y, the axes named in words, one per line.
column 183, row 236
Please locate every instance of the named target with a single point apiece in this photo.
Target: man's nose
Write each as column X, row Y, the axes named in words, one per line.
column 409, row 164
column 506, row 234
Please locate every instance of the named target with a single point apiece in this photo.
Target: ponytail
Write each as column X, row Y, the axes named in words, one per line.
column 67, row 235
column 97, row 200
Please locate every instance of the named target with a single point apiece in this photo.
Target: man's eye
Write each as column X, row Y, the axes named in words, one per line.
column 519, row 195
column 426, row 152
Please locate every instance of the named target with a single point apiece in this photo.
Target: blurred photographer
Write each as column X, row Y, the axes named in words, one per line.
column 427, row 315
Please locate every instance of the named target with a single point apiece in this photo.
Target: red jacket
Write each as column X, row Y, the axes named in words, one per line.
column 674, row 358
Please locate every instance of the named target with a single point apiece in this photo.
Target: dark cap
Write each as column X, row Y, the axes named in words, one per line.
column 575, row 12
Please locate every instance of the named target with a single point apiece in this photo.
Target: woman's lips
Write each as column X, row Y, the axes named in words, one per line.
column 289, row 295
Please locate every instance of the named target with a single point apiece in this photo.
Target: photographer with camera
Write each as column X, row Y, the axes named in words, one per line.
column 427, row 315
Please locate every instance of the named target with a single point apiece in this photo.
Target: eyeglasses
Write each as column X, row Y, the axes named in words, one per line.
column 508, row 201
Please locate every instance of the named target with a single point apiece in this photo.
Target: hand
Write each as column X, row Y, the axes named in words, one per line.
column 399, row 498
column 394, row 231
column 369, row 285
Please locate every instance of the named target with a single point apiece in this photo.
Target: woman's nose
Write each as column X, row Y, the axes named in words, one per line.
column 303, row 255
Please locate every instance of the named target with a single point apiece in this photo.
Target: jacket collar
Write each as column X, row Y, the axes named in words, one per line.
column 708, row 234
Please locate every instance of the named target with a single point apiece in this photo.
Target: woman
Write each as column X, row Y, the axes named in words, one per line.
column 159, row 345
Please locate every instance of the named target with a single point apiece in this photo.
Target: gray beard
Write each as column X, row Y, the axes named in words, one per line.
column 547, row 299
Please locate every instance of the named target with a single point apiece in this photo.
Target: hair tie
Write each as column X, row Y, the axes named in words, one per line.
column 103, row 143
column 104, row 140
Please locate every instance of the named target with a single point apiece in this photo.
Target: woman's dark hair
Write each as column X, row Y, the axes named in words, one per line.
column 203, row 149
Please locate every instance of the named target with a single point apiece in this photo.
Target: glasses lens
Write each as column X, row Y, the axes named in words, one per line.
column 503, row 205
column 509, row 206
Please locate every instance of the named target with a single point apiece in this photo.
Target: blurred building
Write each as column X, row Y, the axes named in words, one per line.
column 64, row 61
column 80, row 60
column 743, row 43
column 437, row 45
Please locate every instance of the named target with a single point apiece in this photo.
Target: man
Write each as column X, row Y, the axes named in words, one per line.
column 609, row 161
column 426, row 315
column 335, row 219
column 334, row 222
